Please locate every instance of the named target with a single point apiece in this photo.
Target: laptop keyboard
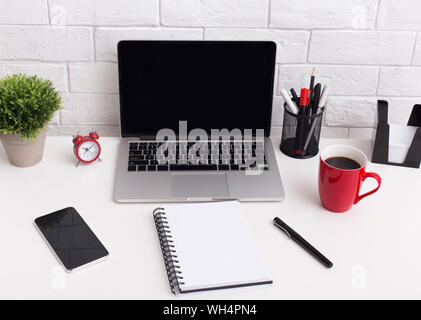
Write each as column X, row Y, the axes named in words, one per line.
column 199, row 156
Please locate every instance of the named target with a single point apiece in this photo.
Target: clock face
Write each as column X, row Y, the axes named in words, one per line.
column 88, row 151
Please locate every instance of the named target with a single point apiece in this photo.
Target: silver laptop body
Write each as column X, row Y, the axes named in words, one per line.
column 203, row 85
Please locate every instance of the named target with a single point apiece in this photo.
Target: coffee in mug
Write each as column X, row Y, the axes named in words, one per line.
column 343, row 163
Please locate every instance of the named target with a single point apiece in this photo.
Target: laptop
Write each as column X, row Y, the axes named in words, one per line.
column 195, row 120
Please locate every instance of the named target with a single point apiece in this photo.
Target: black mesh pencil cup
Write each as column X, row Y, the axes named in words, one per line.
column 301, row 134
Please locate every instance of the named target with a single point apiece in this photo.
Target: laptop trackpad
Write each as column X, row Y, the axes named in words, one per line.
column 199, row 185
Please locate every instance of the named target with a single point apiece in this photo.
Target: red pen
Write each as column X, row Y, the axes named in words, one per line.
column 299, row 133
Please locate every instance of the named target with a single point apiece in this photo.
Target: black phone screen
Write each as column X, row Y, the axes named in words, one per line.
column 71, row 238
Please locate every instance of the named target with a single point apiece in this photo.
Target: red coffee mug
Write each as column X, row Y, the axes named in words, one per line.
column 339, row 188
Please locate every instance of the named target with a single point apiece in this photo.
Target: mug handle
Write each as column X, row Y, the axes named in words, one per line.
column 369, row 175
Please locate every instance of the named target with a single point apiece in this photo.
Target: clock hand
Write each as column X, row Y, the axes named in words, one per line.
column 87, row 149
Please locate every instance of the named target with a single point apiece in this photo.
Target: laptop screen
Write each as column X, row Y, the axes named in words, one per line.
column 209, row 84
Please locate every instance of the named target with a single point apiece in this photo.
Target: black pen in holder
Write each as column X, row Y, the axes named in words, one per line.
column 291, row 137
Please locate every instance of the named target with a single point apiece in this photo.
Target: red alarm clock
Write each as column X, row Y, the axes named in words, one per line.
column 86, row 148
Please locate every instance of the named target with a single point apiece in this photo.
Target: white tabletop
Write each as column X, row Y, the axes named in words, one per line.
column 375, row 247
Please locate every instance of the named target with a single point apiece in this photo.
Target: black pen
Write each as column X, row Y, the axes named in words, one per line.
column 302, row 242
column 315, row 98
column 295, row 97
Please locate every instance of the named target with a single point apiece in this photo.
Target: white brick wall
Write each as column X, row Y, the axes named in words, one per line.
column 364, row 49
column 79, row 108
column 106, row 39
column 326, row 14
column 23, row 12
column 291, row 45
column 343, row 80
column 351, row 112
column 93, row 77
column 56, row 72
column 399, row 15
column 400, row 81
column 417, row 53
column 214, row 13
column 46, row 43
column 104, row 13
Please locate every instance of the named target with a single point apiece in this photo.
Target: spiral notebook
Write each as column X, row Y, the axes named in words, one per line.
column 208, row 246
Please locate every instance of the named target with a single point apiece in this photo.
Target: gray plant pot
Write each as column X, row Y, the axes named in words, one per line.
column 24, row 153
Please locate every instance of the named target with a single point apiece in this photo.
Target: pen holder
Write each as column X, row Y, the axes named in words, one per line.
column 296, row 130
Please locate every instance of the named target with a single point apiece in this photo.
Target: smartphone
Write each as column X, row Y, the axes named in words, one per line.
column 70, row 238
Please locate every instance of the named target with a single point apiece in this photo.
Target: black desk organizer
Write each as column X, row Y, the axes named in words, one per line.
column 381, row 144
column 289, row 130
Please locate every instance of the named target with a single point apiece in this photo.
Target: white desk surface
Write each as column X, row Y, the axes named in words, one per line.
column 375, row 247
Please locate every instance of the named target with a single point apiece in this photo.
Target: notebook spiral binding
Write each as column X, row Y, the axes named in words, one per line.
column 168, row 250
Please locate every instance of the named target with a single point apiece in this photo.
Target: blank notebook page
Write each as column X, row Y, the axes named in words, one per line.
column 215, row 246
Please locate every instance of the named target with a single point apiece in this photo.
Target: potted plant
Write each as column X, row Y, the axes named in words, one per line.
column 27, row 104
